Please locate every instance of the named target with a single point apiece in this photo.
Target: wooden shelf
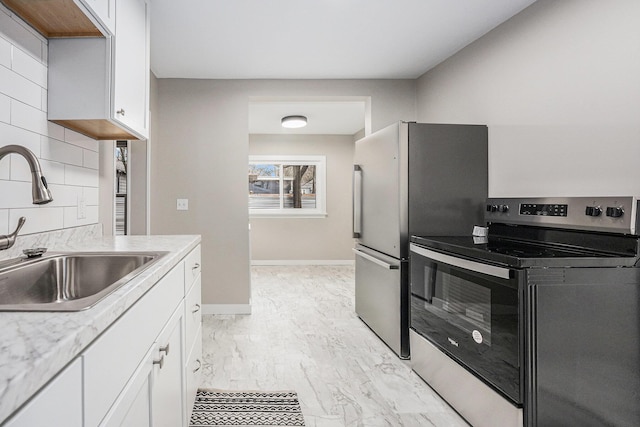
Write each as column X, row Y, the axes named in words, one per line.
column 55, row 18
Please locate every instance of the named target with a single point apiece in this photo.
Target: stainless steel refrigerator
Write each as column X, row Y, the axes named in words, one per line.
column 410, row 179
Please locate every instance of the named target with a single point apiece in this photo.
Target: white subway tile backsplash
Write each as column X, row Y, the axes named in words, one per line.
column 71, row 216
column 4, row 221
column 16, row 194
column 91, row 159
column 55, row 131
column 28, row 117
column 69, row 160
column 20, row 88
column 13, row 135
column 64, row 195
column 5, row 108
column 39, row 219
column 17, row 32
column 74, row 175
column 28, row 67
column 5, row 53
column 81, row 140
column 91, row 196
column 54, row 172
column 62, row 152
column 5, row 169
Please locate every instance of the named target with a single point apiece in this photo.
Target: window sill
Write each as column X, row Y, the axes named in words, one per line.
column 301, row 215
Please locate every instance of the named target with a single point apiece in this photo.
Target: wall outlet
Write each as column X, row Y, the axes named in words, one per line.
column 82, row 207
column 183, row 204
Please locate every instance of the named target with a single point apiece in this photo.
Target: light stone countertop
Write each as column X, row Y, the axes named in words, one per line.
column 35, row 346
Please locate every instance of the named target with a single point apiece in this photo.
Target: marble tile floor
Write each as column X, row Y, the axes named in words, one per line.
column 303, row 335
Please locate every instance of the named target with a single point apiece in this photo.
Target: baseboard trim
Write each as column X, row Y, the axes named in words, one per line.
column 302, row 262
column 226, row 308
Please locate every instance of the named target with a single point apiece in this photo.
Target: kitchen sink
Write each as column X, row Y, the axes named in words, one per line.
column 68, row 281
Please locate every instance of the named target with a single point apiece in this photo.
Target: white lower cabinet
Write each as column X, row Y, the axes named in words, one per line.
column 167, row 396
column 59, row 403
column 142, row 371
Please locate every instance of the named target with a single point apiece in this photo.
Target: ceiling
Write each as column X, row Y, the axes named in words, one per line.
column 315, row 39
column 323, row 117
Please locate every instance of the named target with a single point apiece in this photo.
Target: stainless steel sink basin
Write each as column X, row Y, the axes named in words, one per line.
column 68, row 281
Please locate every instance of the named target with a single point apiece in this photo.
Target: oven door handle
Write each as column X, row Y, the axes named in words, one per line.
column 377, row 261
column 478, row 267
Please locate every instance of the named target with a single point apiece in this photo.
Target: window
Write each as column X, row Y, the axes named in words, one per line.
column 284, row 186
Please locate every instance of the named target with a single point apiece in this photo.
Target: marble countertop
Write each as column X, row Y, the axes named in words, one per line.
column 35, row 346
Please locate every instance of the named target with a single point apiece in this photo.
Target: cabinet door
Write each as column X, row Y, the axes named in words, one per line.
column 133, row 406
column 193, row 373
column 104, row 11
column 58, row 404
column 167, row 395
column 131, row 65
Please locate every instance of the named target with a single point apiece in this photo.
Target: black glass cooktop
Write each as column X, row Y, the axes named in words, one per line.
column 516, row 253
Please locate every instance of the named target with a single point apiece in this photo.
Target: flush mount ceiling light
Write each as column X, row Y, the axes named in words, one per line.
column 294, row 122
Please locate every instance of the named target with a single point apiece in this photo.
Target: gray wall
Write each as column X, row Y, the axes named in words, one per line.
column 559, row 87
column 200, row 153
column 326, row 238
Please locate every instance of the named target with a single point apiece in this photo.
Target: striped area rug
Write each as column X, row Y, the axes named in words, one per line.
column 246, row 408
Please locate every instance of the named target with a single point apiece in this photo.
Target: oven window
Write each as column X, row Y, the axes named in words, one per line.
column 461, row 303
column 471, row 316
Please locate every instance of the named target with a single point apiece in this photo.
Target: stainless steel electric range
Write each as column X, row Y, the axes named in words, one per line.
column 538, row 322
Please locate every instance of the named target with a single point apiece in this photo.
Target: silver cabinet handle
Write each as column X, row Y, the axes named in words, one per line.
column 159, row 361
column 357, row 201
column 165, row 349
column 120, row 111
column 376, row 260
column 195, row 266
column 199, row 366
column 196, row 308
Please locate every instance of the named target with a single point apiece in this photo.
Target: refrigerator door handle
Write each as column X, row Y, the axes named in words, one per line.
column 376, row 260
column 357, row 201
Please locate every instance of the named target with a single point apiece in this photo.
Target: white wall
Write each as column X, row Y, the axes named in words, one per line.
column 69, row 160
column 309, row 239
column 559, row 87
column 200, row 153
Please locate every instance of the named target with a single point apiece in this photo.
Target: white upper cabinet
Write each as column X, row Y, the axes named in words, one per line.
column 104, row 11
column 131, row 66
column 99, row 86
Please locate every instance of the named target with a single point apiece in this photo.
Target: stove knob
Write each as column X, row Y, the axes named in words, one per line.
column 593, row 211
column 615, row 212
column 492, row 208
column 503, row 208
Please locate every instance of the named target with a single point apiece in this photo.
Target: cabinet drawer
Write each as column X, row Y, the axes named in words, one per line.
column 112, row 359
column 193, row 313
column 193, row 372
column 192, row 264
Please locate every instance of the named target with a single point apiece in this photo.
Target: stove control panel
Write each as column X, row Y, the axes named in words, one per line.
column 543, row 209
column 608, row 214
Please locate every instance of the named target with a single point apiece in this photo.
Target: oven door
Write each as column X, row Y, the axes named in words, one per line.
column 470, row 310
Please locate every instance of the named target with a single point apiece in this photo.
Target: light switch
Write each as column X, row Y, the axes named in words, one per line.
column 183, row 204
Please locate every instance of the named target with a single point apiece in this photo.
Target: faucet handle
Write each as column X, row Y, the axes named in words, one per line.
column 21, row 222
column 7, row 241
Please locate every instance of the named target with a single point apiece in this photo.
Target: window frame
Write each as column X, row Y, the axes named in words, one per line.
column 320, row 163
